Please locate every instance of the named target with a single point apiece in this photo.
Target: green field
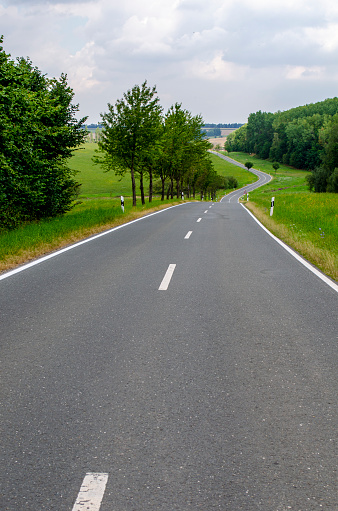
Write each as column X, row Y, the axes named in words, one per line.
column 95, row 182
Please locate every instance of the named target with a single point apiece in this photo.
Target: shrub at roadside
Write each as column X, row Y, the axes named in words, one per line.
column 38, row 131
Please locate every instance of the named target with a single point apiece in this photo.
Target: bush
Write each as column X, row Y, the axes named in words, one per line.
column 38, row 131
column 332, row 182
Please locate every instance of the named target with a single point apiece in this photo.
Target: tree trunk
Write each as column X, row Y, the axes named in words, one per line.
column 133, row 185
column 142, row 187
column 150, row 184
column 169, row 190
column 163, row 185
column 172, row 188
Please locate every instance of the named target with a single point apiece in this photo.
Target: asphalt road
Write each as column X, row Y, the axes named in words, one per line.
column 217, row 392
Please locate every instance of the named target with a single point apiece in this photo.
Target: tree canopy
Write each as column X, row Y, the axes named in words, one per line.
column 303, row 137
column 139, row 139
column 38, row 131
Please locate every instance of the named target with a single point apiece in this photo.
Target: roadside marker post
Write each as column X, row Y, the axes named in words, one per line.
column 272, row 206
column 122, row 203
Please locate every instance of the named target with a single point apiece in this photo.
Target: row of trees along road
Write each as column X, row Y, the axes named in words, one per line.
column 138, row 138
column 305, row 137
column 38, row 131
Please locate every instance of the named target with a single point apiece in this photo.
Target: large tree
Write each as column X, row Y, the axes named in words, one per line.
column 130, row 130
column 38, row 132
column 182, row 148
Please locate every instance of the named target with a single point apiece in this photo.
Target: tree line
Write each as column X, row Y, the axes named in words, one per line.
column 38, row 131
column 305, row 137
column 138, row 137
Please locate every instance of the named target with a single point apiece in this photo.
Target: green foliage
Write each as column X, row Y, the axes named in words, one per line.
column 137, row 138
column 38, row 131
column 305, row 137
column 236, row 141
column 130, row 129
column 275, row 166
column 248, row 165
column 332, row 182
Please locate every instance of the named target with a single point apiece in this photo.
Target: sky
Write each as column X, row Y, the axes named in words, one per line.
column 222, row 59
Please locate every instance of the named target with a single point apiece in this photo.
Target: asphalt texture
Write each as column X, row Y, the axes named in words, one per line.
column 217, row 393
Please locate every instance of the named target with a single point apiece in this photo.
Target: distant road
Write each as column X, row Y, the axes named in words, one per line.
column 184, row 361
column 263, row 178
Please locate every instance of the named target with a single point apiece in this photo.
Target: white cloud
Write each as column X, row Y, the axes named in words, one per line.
column 304, row 73
column 218, row 69
column 252, row 53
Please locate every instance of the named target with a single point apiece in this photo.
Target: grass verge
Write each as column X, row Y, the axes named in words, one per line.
column 306, row 221
column 86, row 219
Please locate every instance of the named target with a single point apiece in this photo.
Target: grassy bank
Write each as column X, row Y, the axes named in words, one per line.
column 306, row 221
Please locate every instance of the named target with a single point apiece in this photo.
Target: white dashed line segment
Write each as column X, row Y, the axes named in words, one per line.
column 91, row 492
column 187, row 236
column 199, row 219
column 167, row 277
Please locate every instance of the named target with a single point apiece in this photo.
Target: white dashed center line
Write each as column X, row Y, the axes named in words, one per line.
column 199, row 219
column 91, row 492
column 187, row 236
column 206, row 211
column 167, row 277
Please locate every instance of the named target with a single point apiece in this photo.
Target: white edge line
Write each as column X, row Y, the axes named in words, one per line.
column 91, row 492
column 167, row 277
column 303, row 261
column 87, row 240
column 187, row 236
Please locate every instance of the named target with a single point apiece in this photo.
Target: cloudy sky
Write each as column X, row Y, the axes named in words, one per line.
column 222, row 59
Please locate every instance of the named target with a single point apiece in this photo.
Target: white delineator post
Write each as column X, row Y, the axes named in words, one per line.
column 272, row 206
column 122, row 203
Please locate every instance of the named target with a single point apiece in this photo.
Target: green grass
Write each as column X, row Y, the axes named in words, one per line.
column 224, row 168
column 305, row 220
column 95, row 182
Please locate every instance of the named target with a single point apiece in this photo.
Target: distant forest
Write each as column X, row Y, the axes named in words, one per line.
column 232, row 125
column 215, row 130
column 305, row 137
column 211, row 130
